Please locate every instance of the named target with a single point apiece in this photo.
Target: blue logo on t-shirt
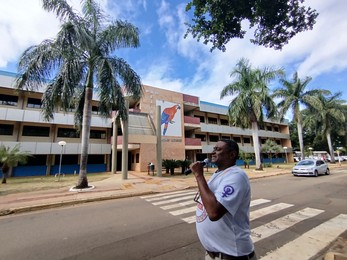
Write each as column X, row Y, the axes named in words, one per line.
column 228, row 190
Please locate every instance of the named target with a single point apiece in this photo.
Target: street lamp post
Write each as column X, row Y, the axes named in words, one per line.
column 310, row 148
column 62, row 144
column 338, row 154
column 285, row 151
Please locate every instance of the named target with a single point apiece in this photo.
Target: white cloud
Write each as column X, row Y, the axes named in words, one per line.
column 22, row 24
column 157, row 77
column 313, row 53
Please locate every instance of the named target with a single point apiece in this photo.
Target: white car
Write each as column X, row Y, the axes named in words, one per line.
column 310, row 167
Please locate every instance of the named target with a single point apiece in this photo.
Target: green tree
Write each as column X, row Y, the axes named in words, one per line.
column 246, row 157
column 10, row 158
column 293, row 94
column 79, row 58
column 251, row 99
column 274, row 22
column 170, row 165
column 184, row 164
column 271, row 147
column 330, row 117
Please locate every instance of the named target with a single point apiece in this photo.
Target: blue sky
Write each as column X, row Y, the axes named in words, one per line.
column 166, row 60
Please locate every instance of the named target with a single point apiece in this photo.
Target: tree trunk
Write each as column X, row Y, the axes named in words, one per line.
column 255, row 136
column 301, row 138
column 87, row 115
column 331, row 149
column 4, row 170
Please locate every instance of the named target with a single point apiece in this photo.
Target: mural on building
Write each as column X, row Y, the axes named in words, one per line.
column 170, row 118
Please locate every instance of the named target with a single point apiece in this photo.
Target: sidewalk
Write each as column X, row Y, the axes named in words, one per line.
column 137, row 184
column 115, row 187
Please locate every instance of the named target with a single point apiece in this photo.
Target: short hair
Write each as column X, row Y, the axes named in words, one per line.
column 232, row 145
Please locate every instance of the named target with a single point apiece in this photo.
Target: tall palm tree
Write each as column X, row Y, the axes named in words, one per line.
column 330, row 117
column 78, row 59
column 293, row 94
column 251, row 99
column 11, row 157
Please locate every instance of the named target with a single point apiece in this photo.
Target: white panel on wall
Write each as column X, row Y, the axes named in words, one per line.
column 32, row 116
column 3, row 112
column 14, row 114
column 43, row 148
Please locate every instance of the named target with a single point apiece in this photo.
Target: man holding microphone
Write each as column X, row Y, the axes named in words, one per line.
column 222, row 215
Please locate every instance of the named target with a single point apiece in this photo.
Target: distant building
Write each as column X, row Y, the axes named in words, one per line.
column 189, row 130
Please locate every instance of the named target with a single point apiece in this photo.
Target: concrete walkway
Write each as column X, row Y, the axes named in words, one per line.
column 111, row 188
column 115, row 187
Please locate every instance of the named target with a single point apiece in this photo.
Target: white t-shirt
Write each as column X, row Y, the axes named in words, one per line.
column 231, row 233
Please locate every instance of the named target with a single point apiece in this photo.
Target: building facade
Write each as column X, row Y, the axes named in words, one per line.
column 189, row 128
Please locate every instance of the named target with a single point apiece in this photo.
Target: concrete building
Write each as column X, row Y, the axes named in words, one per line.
column 189, row 128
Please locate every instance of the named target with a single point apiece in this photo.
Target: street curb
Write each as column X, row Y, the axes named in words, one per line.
column 5, row 212
column 335, row 256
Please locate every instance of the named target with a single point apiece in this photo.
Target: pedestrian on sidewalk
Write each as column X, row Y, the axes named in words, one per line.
column 222, row 215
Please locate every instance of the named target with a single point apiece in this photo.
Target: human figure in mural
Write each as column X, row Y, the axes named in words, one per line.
column 167, row 116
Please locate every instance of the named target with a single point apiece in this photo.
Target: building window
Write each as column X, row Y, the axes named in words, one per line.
column 35, row 131
column 68, row 133
column 8, row 100
column 6, row 129
column 96, row 159
column 214, row 138
column 69, row 159
column 237, row 139
column 97, row 134
column 71, row 108
column 202, row 118
column 212, row 120
column 276, row 129
column 202, row 137
column 95, row 110
column 246, row 140
column 224, row 122
column 224, row 137
column 137, row 158
column 37, row 159
column 269, row 128
column 34, row 103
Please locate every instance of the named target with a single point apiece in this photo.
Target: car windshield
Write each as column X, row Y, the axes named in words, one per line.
column 306, row 163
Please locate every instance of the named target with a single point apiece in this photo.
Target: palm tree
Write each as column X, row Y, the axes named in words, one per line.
column 251, row 100
column 10, row 158
column 293, row 95
column 331, row 117
column 78, row 59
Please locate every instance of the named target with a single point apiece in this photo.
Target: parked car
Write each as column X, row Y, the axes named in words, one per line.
column 335, row 157
column 310, row 167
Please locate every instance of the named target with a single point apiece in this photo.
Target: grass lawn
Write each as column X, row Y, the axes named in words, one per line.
column 27, row 184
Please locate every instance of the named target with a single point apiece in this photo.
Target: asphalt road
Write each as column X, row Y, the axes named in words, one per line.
column 154, row 228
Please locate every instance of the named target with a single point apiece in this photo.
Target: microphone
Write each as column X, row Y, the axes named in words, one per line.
column 189, row 171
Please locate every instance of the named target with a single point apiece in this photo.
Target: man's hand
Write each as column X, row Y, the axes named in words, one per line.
column 197, row 168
